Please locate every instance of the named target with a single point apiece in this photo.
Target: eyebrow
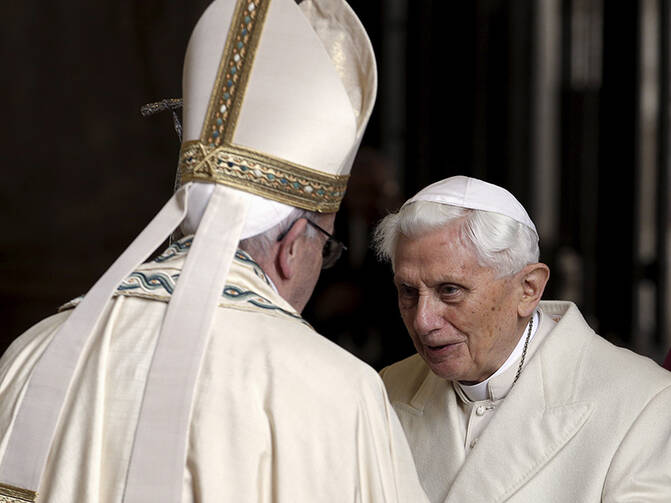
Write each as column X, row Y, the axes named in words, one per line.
column 460, row 282
column 397, row 280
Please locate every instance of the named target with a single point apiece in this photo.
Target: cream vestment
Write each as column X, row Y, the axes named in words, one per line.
column 280, row 414
column 586, row 422
column 128, row 394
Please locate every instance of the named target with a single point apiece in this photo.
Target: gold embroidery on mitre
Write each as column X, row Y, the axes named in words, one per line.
column 234, row 69
column 264, row 176
column 214, row 158
column 12, row 494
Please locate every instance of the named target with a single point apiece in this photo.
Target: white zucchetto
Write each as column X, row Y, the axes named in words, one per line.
column 466, row 192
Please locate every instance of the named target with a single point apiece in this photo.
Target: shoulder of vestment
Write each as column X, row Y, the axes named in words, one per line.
column 580, row 365
column 247, row 288
column 297, row 348
column 404, row 378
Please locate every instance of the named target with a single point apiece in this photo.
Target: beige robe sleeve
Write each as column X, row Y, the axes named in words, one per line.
column 385, row 456
column 641, row 468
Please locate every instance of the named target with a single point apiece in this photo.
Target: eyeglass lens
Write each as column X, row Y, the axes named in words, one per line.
column 331, row 252
column 332, row 249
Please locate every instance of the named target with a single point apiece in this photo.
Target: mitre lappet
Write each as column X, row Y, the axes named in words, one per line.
column 276, row 95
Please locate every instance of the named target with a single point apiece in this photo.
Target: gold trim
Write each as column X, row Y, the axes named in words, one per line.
column 262, row 175
column 236, row 64
column 13, row 494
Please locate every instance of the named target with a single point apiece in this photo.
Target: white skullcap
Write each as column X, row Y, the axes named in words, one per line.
column 466, row 192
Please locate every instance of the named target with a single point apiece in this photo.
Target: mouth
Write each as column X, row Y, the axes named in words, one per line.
column 441, row 349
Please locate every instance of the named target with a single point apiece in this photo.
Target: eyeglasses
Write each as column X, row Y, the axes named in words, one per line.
column 332, row 247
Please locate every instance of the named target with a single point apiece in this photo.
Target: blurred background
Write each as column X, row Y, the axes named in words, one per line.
column 566, row 103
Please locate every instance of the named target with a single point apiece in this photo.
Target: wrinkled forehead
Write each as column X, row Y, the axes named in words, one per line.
column 431, row 250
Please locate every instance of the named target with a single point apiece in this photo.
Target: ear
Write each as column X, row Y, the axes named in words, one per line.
column 288, row 255
column 533, row 278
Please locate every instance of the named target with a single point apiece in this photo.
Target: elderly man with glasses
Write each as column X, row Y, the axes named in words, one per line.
column 193, row 377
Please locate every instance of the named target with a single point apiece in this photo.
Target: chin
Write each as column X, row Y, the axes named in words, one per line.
column 450, row 363
column 449, row 372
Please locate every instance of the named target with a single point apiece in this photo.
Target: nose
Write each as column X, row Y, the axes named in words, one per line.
column 427, row 316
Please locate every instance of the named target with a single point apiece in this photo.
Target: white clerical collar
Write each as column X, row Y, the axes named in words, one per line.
column 479, row 391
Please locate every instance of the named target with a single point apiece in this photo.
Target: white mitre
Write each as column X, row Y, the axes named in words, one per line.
column 307, row 100
column 276, row 99
column 471, row 193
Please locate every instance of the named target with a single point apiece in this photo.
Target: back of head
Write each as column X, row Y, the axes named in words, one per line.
column 492, row 221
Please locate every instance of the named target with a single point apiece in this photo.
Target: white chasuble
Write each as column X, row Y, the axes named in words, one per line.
column 280, row 413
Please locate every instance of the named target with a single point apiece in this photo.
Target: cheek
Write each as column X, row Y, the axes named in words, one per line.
column 494, row 322
column 407, row 315
column 315, row 272
column 476, row 323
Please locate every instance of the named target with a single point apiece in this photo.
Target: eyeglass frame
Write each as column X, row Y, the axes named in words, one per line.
column 337, row 245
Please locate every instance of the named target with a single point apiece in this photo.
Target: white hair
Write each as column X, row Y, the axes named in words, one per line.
column 258, row 246
column 499, row 242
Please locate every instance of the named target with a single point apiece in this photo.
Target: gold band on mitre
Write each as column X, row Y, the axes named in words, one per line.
column 262, row 175
column 215, row 158
column 11, row 494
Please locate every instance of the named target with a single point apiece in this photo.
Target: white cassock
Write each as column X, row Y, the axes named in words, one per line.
column 586, row 422
column 280, row 413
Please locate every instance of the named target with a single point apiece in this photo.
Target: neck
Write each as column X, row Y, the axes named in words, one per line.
column 481, row 390
column 285, row 287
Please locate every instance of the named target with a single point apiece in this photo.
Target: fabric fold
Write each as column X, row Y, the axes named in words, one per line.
column 41, row 406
